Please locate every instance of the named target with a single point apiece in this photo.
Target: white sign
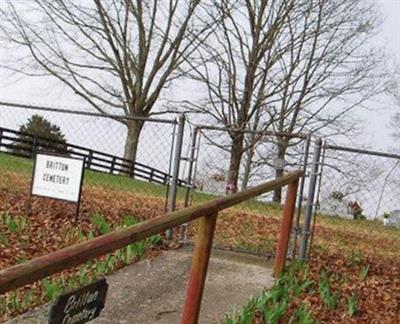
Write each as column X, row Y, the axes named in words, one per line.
column 57, row 177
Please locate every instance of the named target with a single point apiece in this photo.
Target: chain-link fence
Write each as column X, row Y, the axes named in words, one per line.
column 352, row 192
column 358, row 184
column 354, row 183
column 104, row 142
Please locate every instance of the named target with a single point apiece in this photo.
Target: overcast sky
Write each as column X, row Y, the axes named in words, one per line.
column 377, row 132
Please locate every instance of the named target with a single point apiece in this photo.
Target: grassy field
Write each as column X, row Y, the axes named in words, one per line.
column 353, row 274
column 23, row 166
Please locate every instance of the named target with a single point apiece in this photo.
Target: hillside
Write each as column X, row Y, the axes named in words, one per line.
column 357, row 258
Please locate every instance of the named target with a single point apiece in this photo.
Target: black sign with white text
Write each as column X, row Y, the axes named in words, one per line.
column 81, row 305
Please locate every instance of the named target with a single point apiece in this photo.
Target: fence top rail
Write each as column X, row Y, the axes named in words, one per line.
column 362, row 151
column 85, row 113
column 44, row 266
column 250, row 131
column 126, row 162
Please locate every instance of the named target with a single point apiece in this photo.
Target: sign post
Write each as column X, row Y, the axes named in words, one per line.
column 81, row 305
column 58, row 177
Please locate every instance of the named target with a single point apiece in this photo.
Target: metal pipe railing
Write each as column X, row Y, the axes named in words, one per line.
column 44, row 266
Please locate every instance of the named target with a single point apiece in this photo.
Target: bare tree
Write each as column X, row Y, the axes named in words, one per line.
column 118, row 55
column 235, row 66
column 395, row 93
column 309, row 75
column 396, row 125
column 327, row 72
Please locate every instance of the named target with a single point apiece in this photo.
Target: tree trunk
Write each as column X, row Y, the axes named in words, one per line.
column 279, row 172
column 251, row 150
column 132, row 139
column 247, row 168
column 234, row 165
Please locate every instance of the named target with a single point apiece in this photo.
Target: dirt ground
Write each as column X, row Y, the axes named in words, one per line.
column 154, row 291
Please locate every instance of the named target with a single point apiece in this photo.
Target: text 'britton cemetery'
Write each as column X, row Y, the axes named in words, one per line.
column 57, row 177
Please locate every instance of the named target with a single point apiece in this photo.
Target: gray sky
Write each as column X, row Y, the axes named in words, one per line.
column 377, row 132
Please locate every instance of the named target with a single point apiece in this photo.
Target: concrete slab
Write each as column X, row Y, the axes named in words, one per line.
column 153, row 291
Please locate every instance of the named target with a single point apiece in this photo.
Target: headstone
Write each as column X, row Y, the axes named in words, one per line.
column 334, row 207
column 393, row 220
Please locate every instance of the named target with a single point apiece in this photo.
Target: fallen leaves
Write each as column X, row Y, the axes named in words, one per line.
column 344, row 252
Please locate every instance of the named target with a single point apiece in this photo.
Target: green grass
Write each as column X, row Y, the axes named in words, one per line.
column 374, row 228
column 14, row 163
column 24, row 166
column 14, row 223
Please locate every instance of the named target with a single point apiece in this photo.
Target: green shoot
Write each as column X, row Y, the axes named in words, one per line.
column 330, row 300
column 100, row 223
column 364, row 273
column 352, row 305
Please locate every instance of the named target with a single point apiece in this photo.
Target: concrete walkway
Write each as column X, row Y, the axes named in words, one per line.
column 154, row 291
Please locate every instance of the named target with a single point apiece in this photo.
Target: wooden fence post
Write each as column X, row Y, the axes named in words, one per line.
column 198, row 274
column 89, row 159
column 112, row 165
column 132, row 170
column 286, row 227
column 33, row 148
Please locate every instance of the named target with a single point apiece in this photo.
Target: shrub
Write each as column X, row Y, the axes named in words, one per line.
column 42, row 128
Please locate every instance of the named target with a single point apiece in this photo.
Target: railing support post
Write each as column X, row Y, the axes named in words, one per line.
column 286, row 227
column 201, row 257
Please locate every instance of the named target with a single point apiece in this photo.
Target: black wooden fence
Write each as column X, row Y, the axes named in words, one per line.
column 27, row 145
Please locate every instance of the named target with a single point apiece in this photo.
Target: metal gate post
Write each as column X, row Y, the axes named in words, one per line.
column 198, row 274
column 317, row 207
column 301, row 194
column 192, row 160
column 190, row 179
column 310, row 199
column 172, row 194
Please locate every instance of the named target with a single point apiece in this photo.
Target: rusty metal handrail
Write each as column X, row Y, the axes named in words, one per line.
column 44, row 266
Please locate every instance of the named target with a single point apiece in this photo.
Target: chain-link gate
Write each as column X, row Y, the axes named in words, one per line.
column 261, row 159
